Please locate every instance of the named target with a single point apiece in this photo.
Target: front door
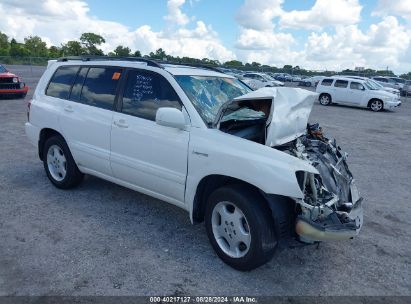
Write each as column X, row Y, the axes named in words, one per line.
column 144, row 154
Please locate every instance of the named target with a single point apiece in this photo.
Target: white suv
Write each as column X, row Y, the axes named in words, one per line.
column 243, row 161
column 355, row 92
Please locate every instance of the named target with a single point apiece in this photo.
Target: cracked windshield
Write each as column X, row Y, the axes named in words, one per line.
column 208, row 94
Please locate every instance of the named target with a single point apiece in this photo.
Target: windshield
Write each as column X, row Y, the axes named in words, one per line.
column 372, row 85
column 2, row 69
column 208, row 94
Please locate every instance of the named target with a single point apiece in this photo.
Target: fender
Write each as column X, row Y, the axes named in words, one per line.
column 268, row 169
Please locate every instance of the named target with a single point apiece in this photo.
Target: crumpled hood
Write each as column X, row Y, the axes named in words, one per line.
column 290, row 110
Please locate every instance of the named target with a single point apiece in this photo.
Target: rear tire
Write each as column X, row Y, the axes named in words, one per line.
column 59, row 164
column 325, row 99
column 240, row 227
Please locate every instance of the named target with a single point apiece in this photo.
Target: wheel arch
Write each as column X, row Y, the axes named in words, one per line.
column 45, row 134
column 282, row 208
column 372, row 99
column 325, row 93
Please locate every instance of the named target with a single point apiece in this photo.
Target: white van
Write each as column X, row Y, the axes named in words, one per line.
column 355, row 92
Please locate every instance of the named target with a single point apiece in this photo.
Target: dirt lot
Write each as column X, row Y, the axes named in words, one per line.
column 102, row 239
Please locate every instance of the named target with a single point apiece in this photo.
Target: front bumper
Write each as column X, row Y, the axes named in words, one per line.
column 333, row 229
column 390, row 105
column 22, row 90
column 339, row 225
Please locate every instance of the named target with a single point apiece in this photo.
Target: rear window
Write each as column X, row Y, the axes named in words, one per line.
column 100, row 87
column 327, row 82
column 341, row 83
column 60, row 83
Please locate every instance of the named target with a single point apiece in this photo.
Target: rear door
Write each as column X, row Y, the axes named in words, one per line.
column 341, row 93
column 87, row 117
column 151, row 157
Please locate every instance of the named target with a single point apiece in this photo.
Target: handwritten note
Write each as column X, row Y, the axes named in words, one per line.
column 143, row 88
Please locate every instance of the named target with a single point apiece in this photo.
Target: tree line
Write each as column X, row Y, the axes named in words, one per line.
column 90, row 43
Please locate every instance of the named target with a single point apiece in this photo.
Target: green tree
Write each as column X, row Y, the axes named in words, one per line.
column 54, row 52
column 406, row 76
column 18, row 49
column 234, row 63
column 159, row 54
column 90, row 42
column 4, row 44
column 122, row 51
column 72, row 48
column 36, row 46
column 137, row 54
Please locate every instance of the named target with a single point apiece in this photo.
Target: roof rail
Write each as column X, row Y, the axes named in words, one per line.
column 194, row 65
column 113, row 58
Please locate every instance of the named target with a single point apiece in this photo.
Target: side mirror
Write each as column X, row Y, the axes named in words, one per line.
column 170, row 117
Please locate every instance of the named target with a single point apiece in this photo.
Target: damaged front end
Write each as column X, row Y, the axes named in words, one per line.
column 331, row 207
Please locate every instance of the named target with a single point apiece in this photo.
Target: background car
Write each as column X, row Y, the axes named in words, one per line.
column 260, row 80
column 406, row 90
column 387, row 82
column 284, row 77
column 311, row 81
column 11, row 84
column 375, row 84
column 355, row 92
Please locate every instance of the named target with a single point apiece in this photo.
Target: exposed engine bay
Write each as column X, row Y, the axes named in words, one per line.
column 331, row 206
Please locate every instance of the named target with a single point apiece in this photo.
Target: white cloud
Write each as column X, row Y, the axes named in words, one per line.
column 323, row 13
column 258, row 14
column 59, row 21
column 381, row 45
column 175, row 15
column 258, row 40
column 400, row 8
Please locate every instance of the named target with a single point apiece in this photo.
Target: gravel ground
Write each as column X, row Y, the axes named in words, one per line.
column 103, row 239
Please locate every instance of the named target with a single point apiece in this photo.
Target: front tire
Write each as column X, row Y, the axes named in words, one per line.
column 240, row 227
column 376, row 105
column 59, row 164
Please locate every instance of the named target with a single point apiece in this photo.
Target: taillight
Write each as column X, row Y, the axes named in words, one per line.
column 28, row 110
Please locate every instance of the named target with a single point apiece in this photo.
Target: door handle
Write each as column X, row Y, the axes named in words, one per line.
column 68, row 109
column 121, row 123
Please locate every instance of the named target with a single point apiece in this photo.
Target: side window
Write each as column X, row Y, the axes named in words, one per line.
column 327, row 82
column 60, row 83
column 100, row 86
column 356, row 86
column 145, row 92
column 341, row 83
column 78, row 84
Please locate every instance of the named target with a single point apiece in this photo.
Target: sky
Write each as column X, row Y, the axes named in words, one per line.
column 313, row 34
